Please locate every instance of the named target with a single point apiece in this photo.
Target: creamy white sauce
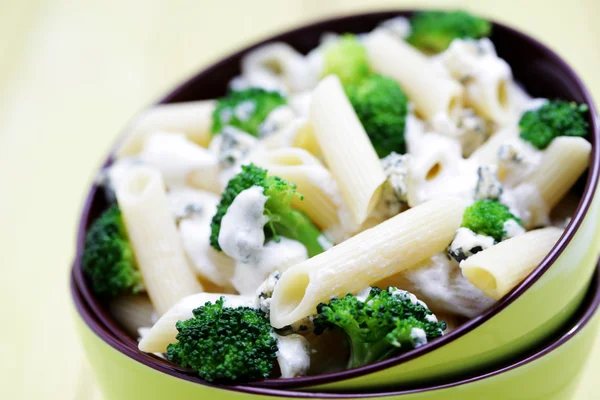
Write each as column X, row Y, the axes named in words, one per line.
column 488, row 185
column 468, row 128
column 324, row 242
column 248, row 276
column 440, row 283
column 282, row 64
column 419, row 337
column 475, row 64
column 264, row 293
column 286, row 136
column 466, row 241
column 438, row 169
column 431, row 318
column 300, row 103
column 397, row 26
column 193, row 210
column 206, row 261
column 244, row 110
column 232, row 146
column 517, row 159
column 113, row 175
column 512, row 229
column 276, row 120
column 526, row 203
column 259, row 77
column 468, row 59
column 414, row 130
column 397, row 169
column 293, row 355
column 363, row 294
column 242, row 236
column 185, row 202
column 176, row 157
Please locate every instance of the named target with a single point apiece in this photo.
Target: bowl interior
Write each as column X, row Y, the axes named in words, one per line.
column 539, row 69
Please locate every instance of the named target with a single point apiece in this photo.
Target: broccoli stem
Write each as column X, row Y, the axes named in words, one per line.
column 364, row 353
column 296, row 225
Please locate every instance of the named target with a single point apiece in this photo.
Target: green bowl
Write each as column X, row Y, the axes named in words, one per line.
column 549, row 372
column 529, row 314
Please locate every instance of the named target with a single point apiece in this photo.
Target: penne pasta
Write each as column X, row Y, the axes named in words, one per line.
column 313, row 181
column 154, row 239
column 280, row 62
column 194, row 119
column 487, row 78
column 299, row 133
column 181, row 162
column 432, row 93
column 347, row 149
column 562, row 163
column 377, row 253
column 498, row 269
column 164, row 331
column 488, row 94
column 487, row 153
column 132, row 312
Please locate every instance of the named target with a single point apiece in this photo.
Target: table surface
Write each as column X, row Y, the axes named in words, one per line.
column 73, row 72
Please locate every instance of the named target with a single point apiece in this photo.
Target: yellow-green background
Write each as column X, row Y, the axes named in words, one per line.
column 71, row 74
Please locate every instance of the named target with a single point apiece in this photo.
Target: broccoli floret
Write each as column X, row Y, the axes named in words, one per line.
column 108, row 259
column 487, row 217
column 381, row 107
column 386, row 322
column 555, row 118
column 346, row 58
column 283, row 220
column 225, row 344
column 433, row 31
column 245, row 109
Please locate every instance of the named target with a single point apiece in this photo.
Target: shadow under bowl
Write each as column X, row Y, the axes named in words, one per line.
column 529, row 314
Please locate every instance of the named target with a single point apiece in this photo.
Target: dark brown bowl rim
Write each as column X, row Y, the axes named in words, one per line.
column 555, row 252
column 585, row 314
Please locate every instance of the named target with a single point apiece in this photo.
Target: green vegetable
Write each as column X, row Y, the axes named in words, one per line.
column 225, row 344
column 346, row 58
column 380, row 326
column 108, row 259
column 245, row 109
column 433, row 31
column 381, row 107
column 487, row 217
column 555, row 118
column 283, row 219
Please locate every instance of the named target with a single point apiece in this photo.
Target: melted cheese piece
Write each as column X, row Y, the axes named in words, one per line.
column 242, row 236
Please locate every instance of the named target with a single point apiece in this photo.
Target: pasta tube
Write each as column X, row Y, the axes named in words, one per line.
column 132, row 312
column 562, row 163
column 315, row 183
column 154, row 238
column 432, row 93
column 497, row 270
column 347, row 149
column 377, row 253
column 193, row 118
